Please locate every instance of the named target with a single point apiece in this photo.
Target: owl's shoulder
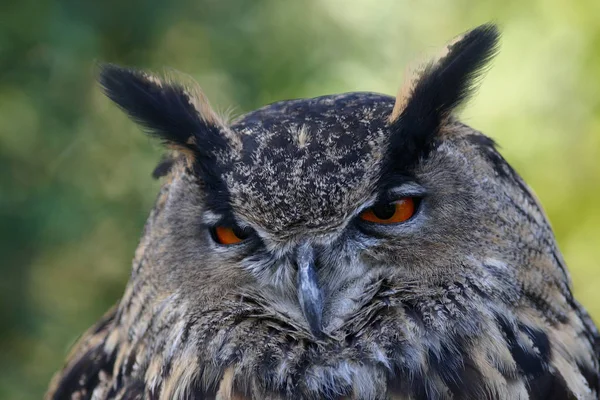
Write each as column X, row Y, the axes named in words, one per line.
column 89, row 366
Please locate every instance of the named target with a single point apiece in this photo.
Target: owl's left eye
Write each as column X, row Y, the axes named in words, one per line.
column 390, row 213
column 227, row 235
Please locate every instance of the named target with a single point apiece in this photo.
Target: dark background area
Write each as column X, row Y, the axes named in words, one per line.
column 75, row 184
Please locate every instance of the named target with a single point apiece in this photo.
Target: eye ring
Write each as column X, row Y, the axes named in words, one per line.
column 230, row 235
column 394, row 212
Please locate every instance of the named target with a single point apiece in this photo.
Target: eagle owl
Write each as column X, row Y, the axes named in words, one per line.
column 352, row 246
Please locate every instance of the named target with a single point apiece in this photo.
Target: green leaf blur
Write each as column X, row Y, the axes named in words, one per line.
column 75, row 184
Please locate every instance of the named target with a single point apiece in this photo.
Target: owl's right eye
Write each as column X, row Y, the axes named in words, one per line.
column 228, row 235
column 391, row 213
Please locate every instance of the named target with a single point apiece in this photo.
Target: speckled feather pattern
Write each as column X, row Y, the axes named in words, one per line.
column 469, row 299
column 305, row 163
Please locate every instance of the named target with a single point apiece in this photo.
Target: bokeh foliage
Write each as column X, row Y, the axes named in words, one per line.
column 75, row 183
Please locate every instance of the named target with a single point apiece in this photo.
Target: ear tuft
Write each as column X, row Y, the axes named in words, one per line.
column 430, row 96
column 440, row 86
column 180, row 117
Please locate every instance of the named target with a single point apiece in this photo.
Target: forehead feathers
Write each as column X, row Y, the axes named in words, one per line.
column 308, row 162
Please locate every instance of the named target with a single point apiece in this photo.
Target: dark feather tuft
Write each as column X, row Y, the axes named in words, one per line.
column 166, row 111
column 163, row 168
column 442, row 86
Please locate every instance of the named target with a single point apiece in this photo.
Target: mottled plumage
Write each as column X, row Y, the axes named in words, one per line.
column 468, row 299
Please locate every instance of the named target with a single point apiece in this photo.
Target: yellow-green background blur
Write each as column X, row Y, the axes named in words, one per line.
column 75, row 184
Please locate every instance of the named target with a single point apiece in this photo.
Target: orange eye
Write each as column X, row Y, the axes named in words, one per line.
column 227, row 235
column 390, row 213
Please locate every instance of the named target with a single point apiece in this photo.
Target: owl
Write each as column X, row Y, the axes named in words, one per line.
column 351, row 246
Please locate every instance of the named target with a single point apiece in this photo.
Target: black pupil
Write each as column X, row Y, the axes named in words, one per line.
column 384, row 211
column 242, row 233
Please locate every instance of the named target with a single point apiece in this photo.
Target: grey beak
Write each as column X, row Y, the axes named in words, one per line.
column 309, row 292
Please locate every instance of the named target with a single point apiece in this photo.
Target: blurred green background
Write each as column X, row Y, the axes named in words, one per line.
column 75, row 184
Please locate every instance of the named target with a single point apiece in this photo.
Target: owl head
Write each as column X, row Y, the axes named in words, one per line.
column 345, row 246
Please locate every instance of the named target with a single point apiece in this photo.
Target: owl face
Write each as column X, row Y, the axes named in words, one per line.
column 313, row 221
column 347, row 245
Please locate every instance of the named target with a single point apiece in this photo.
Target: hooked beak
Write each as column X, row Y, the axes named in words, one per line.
column 309, row 292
